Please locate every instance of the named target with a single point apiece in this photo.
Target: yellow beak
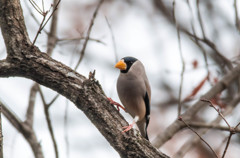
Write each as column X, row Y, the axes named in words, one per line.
column 121, row 65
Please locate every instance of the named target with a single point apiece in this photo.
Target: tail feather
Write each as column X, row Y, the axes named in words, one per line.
column 142, row 126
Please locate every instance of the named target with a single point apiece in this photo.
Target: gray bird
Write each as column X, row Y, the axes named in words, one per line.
column 134, row 92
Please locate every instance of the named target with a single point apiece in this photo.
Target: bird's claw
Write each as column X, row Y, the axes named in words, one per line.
column 116, row 103
column 127, row 128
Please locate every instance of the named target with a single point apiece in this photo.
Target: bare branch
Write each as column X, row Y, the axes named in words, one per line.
column 40, row 27
column 213, row 125
column 32, row 15
column 210, row 126
column 237, row 20
column 36, row 7
column 53, row 100
column 181, row 119
column 228, row 142
column 195, row 40
column 218, row 110
column 31, row 102
column 113, row 40
column 182, row 60
column 200, row 19
column 43, row 23
column 80, row 38
column 88, row 34
column 52, row 38
column 49, row 123
column 216, row 89
column 25, row 130
column 213, row 47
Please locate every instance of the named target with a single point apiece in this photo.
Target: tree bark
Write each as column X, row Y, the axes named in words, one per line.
column 26, row 60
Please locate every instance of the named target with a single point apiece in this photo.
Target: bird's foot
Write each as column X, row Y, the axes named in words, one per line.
column 127, row 128
column 116, row 103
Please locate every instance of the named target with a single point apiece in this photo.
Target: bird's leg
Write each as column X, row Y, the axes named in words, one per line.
column 116, row 103
column 130, row 126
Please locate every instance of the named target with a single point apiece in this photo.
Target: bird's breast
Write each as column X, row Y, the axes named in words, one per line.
column 131, row 93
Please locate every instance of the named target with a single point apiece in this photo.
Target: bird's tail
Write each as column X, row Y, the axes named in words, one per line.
column 143, row 128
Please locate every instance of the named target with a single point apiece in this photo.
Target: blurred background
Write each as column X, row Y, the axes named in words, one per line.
column 143, row 29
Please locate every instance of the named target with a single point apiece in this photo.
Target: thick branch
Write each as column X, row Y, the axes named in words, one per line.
column 86, row 94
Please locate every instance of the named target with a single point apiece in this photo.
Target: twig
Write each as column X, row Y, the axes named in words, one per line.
column 50, row 128
column 211, row 126
column 43, row 5
column 32, row 15
column 213, row 47
column 40, row 28
column 182, row 60
column 55, row 8
column 218, row 111
column 88, row 34
column 53, row 100
column 228, row 142
column 221, row 85
column 200, row 19
column 80, row 38
column 52, row 39
column 181, row 119
column 43, row 23
column 237, row 20
column 26, row 130
column 31, row 102
column 113, row 40
column 237, row 126
column 195, row 40
column 231, row 130
column 36, row 7
column 215, row 123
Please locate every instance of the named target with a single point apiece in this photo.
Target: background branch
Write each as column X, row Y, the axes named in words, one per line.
column 216, row 89
column 25, row 129
column 88, row 34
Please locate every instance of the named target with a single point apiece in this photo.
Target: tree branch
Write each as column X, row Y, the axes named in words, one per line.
column 52, row 38
column 31, row 102
column 216, row 89
column 29, row 62
column 49, row 122
column 25, row 129
column 213, row 125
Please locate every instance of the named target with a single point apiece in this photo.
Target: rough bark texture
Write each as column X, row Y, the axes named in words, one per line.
column 26, row 60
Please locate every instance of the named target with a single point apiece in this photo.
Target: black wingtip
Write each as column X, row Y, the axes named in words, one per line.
column 147, row 115
column 146, row 136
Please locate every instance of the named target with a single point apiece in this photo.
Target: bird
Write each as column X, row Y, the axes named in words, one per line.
column 134, row 92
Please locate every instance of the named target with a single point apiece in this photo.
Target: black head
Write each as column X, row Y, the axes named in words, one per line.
column 129, row 61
